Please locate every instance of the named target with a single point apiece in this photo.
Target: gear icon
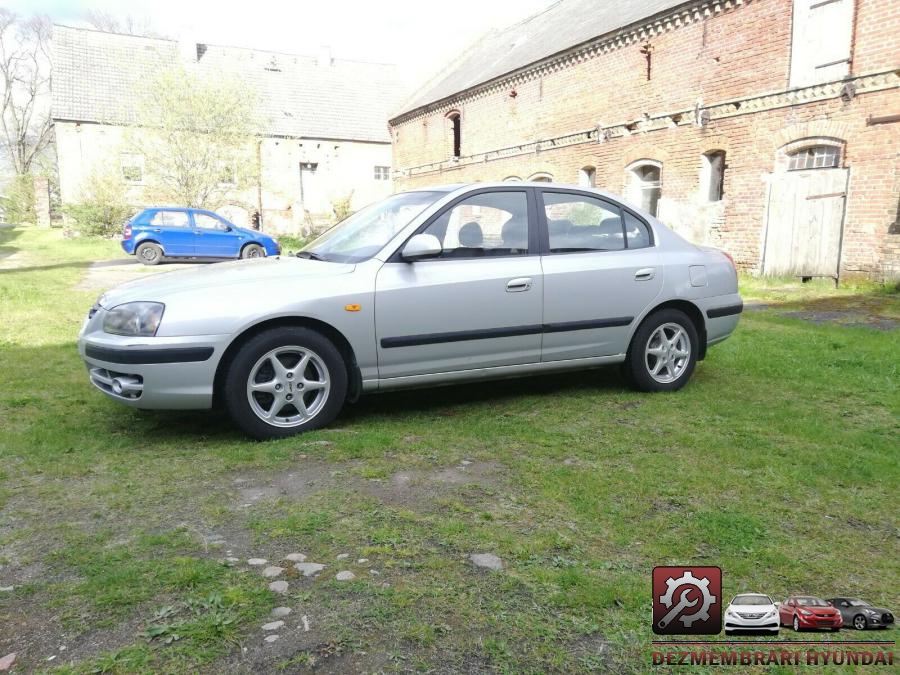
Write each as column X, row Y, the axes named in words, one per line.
column 688, row 579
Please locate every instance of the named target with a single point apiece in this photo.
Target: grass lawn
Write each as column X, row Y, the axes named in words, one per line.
column 778, row 463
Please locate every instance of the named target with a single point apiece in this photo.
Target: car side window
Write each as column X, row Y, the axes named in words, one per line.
column 486, row 224
column 170, row 219
column 205, row 222
column 637, row 233
column 580, row 223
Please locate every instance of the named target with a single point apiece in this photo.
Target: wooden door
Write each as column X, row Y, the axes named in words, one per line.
column 805, row 221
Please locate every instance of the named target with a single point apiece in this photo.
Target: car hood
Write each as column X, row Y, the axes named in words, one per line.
column 218, row 277
column 820, row 611
column 752, row 609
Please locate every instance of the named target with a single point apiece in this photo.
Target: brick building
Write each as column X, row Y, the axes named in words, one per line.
column 322, row 121
column 768, row 128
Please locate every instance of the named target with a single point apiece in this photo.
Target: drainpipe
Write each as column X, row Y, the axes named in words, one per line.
column 259, row 179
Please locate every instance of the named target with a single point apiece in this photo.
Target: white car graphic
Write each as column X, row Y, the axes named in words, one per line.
column 753, row 612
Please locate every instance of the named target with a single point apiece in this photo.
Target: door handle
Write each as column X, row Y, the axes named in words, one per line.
column 157, row 229
column 645, row 274
column 518, row 285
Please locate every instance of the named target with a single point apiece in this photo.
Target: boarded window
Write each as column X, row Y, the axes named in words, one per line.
column 820, row 42
column 645, row 185
column 587, row 177
column 712, row 176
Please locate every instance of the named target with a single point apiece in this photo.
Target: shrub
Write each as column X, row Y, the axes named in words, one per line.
column 18, row 201
column 103, row 209
column 342, row 207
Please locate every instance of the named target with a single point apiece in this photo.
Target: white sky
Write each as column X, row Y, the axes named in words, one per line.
column 420, row 36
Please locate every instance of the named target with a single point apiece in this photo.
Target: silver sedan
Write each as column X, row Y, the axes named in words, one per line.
column 431, row 286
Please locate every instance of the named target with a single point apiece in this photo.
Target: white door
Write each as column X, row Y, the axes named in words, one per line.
column 804, row 223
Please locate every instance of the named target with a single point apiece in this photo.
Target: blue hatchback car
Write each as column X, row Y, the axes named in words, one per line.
column 167, row 232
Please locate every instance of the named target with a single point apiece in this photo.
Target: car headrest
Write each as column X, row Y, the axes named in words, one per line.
column 514, row 234
column 471, row 236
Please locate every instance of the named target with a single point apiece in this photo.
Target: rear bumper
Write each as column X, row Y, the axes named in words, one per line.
column 722, row 314
column 128, row 246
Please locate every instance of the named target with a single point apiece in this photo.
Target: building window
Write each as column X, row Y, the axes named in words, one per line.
column 542, row 177
column 512, row 179
column 645, row 184
column 712, row 176
column 132, row 168
column 456, row 130
column 816, row 157
column 820, row 41
column 587, row 177
column 382, row 173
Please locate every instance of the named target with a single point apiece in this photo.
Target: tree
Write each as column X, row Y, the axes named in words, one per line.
column 125, row 25
column 196, row 136
column 25, row 80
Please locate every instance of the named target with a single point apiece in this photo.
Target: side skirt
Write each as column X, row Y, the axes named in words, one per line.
column 496, row 373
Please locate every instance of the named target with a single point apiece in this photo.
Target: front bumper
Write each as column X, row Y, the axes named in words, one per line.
column 735, row 621
column 820, row 622
column 152, row 373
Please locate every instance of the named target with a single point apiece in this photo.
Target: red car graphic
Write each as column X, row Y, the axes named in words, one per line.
column 805, row 612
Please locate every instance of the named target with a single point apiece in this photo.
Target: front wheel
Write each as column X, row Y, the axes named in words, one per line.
column 252, row 251
column 796, row 624
column 859, row 622
column 663, row 352
column 285, row 381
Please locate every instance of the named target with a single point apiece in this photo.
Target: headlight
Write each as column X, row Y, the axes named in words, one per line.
column 872, row 612
column 770, row 614
column 134, row 318
column 806, row 612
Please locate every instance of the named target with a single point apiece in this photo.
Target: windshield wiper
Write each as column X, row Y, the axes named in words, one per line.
column 309, row 255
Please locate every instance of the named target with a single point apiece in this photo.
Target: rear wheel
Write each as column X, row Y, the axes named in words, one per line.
column 663, row 352
column 149, row 253
column 252, row 251
column 285, row 381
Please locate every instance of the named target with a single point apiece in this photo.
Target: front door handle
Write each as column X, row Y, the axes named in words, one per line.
column 645, row 274
column 518, row 285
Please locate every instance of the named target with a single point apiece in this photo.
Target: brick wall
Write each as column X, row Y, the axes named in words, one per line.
column 739, row 52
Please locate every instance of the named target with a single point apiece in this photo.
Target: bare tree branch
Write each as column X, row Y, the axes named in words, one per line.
column 25, row 122
column 125, row 25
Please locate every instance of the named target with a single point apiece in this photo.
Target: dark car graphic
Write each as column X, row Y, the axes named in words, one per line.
column 861, row 615
column 804, row 612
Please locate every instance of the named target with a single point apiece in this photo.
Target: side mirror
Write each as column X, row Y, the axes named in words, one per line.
column 778, row 604
column 420, row 247
column 227, row 228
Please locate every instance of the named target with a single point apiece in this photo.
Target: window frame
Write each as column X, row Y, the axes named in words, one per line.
column 384, row 171
column 809, row 151
column 545, row 230
column 223, row 225
column 533, row 227
column 189, row 219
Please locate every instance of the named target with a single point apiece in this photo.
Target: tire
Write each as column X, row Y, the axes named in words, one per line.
column 729, row 632
column 796, row 624
column 149, row 253
column 860, row 625
column 255, row 364
column 835, row 629
column 678, row 368
column 253, row 251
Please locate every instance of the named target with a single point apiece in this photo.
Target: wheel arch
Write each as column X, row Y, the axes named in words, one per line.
column 148, row 240
column 693, row 313
column 354, row 388
column 251, row 243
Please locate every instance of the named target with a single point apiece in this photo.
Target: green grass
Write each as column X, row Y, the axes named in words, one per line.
column 778, row 463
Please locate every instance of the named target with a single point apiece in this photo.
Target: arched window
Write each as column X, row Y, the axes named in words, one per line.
column 645, row 184
column 712, row 175
column 512, row 179
column 542, row 177
column 587, row 177
column 815, row 157
column 456, row 130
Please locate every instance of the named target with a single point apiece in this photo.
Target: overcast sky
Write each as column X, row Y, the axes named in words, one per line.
column 418, row 35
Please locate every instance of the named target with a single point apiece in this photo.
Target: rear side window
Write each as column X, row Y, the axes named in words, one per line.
column 636, row 232
column 581, row 223
column 170, row 219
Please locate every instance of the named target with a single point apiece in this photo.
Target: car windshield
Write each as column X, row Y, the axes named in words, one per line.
column 751, row 600
column 811, row 602
column 858, row 603
column 363, row 234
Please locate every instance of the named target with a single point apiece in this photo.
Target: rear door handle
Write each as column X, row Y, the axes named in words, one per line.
column 518, row 285
column 645, row 274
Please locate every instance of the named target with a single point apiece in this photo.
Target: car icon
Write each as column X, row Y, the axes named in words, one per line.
column 861, row 615
column 805, row 612
column 751, row 612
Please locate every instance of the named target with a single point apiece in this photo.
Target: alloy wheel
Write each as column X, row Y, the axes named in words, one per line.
column 796, row 624
column 668, row 353
column 288, row 386
column 859, row 623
